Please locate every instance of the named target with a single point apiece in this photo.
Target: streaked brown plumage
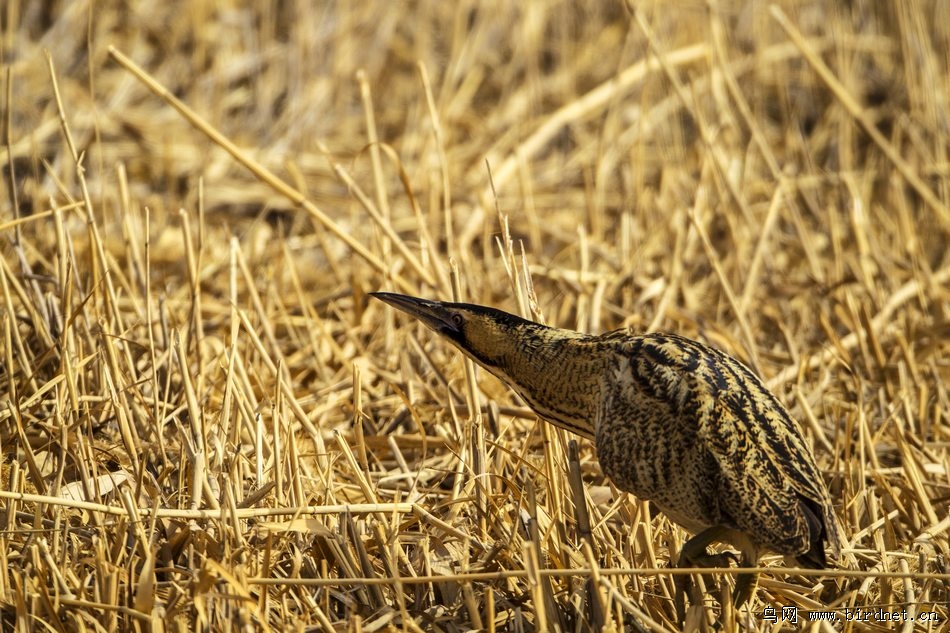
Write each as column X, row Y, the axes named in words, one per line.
column 674, row 421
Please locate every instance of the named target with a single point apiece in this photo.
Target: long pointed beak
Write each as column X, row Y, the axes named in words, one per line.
column 433, row 314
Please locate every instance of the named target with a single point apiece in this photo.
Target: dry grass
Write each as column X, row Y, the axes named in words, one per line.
column 205, row 424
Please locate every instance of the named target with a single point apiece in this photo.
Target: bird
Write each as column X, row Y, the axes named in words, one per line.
column 674, row 421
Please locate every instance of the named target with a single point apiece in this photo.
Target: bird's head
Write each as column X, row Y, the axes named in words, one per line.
column 485, row 334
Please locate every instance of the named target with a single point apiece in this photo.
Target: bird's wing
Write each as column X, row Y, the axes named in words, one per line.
column 766, row 470
column 770, row 484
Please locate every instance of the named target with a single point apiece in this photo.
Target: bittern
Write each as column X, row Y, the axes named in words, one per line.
column 674, row 421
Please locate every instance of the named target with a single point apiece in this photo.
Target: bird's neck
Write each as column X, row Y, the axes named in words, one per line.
column 558, row 374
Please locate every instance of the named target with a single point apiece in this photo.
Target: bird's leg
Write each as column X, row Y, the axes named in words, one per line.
column 694, row 554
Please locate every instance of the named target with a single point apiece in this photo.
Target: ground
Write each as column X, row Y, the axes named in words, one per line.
column 206, row 424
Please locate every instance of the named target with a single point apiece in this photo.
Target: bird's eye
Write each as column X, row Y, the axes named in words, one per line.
column 457, row 319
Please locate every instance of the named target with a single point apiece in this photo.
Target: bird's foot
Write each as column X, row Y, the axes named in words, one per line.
column 695, row 554
column 691, row 556
column 720, row 560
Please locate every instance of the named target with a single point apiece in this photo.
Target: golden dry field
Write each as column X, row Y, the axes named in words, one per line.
column 206, row 423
